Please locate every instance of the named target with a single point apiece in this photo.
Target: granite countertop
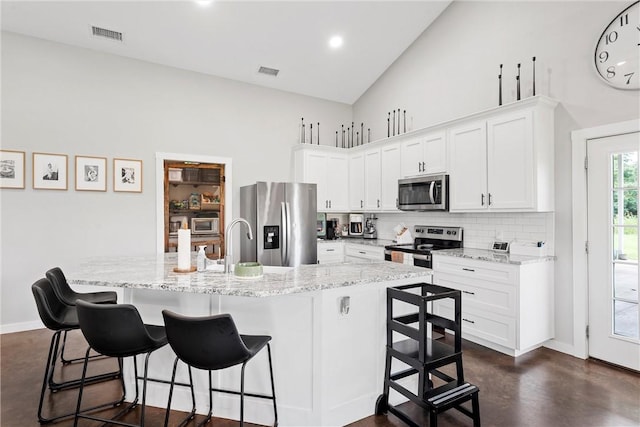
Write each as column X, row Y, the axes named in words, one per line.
column 487, row 255
column 155, row 272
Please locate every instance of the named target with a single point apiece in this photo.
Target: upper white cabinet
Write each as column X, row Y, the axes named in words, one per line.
column 504, row 162
column 372, row 178
column 356, row 181
column 330, row 171
column 424, row 155
column 498, row 160
column 381, row 174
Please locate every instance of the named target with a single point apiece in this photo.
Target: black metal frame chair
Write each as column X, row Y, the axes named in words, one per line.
column 61, row 318
column 69, row 296
column 212, row 343
column 117, row 330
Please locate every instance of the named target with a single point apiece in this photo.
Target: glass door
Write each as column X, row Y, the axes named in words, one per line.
column 614, row 317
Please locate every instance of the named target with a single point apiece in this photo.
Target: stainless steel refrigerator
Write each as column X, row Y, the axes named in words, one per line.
column 283, row 217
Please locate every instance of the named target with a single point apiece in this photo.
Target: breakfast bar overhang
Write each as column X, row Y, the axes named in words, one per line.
column 327, row 324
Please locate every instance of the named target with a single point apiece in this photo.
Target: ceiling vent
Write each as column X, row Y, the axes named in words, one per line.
column 269, row 71
column 109, row 34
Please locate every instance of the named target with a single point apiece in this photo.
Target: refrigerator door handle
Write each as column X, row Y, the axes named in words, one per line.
column 289, row 233
column 284, row 234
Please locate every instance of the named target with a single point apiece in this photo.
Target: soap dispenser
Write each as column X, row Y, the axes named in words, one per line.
column 201, row 262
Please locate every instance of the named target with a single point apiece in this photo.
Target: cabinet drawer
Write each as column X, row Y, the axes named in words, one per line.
column 476, row 323
column 366, row 252
column 479, row 270
column 494, row 297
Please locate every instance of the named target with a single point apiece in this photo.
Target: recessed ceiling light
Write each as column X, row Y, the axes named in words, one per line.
column 204, row 3
column 335, row 42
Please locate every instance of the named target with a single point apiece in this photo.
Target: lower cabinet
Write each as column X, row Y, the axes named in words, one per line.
column 330, row 252
column 359, row 253
column 506, row 307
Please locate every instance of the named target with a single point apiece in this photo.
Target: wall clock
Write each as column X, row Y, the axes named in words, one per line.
column 617, row 54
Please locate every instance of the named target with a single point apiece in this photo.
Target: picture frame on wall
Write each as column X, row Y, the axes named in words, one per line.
column 127, row 175
column 91, row 173
column 50, row 171
column 12, row 169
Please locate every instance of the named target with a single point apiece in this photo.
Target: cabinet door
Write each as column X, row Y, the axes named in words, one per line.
column 372, row 180
column 337, row 178
column 435, row 153
column 315, row 172
column 468, row 167
column 356, row 182
column 412, row 152
column 389, row 175
column 510, row 172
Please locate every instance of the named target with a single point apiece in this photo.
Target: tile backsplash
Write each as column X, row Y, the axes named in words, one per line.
column 481, row 229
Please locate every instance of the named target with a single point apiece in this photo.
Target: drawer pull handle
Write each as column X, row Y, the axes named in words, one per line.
column 468, row 269
column 467, row 320
column 467, row 292
column 330, row 250
column 362, row 252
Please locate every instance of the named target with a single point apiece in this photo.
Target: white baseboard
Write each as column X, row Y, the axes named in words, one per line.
column 21, row 327
column 561, row 347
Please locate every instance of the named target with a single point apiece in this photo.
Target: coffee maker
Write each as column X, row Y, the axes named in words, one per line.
column 332, row 224
column 370, row 231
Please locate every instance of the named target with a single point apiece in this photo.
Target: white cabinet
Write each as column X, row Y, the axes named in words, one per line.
column 505, row 161
column 330, row 252
column 382, row 171
column 507, row 307
column 329, row 169
column 356, row 181
column 468, row 167
column 424, row 155
column 390, row 173
column 372, row 180
column 358, row 253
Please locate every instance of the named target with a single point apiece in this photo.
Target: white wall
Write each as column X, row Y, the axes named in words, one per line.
column 61, row 99
column 452, row 69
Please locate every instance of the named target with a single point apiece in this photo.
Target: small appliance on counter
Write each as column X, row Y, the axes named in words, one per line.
column 370, row 231
column 356, row 224
column 332, row 225
column 321, row 227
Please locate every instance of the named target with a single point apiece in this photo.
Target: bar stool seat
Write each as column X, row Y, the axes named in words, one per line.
column 60, row 318
column 117, row 330
column 212, row 343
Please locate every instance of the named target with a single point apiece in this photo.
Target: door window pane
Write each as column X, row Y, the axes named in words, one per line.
column 625, row 321
column 628, row 164
column 625, row 207
column 625, row 243
column 625, row 281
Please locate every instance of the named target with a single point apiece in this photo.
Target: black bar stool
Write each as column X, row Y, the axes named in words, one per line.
column 212, row 343
column 60, row 318
column 117, row 330
column 69, row 296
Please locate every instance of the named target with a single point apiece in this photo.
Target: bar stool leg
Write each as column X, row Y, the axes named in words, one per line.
column 273, row 387
column 242, row 394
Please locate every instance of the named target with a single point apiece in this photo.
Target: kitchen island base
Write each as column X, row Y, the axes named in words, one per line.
column 327, row 348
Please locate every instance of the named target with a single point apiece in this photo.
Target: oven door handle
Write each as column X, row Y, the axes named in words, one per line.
column 422, row 257
column 431, row 191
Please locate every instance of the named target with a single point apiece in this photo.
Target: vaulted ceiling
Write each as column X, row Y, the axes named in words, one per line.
column 233, row 39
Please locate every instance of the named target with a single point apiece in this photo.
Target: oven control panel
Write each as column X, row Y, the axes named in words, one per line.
column 440, row 233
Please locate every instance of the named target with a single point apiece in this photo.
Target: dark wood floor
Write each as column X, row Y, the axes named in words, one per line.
column 541, row 388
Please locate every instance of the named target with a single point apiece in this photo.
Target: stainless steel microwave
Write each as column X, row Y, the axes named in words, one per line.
column 424, row 193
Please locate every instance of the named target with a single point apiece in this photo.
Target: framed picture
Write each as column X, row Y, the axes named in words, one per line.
column 50, row 171
column 91, row 173
column 127, row 175
column 11, row 169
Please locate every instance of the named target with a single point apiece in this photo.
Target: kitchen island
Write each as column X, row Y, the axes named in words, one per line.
column 327, row 324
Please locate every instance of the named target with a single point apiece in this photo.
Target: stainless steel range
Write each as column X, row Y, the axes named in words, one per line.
column 426, row 239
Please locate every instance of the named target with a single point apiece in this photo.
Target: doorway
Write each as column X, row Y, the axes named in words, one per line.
column 211, row 189
column 612, row 194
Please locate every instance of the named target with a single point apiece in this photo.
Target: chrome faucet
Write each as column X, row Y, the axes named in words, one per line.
column 227, row 242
